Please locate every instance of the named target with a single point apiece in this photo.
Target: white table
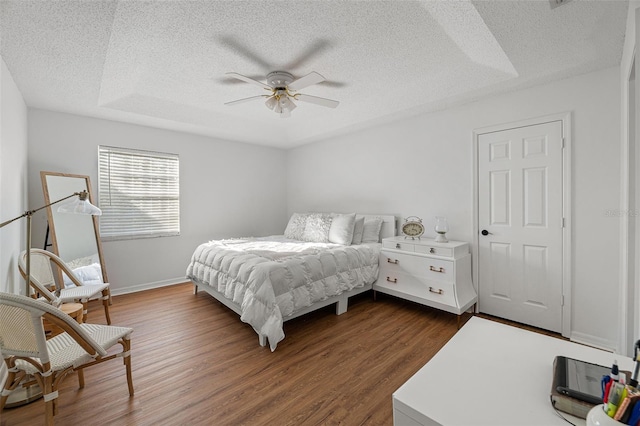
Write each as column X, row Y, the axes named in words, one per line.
column 491, row 374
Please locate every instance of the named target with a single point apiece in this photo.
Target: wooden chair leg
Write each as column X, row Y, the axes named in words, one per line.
column 85, row 309
column 126, row 346
column 81, row 378
column 9, row 385
column 48, row 400
column 105, row 301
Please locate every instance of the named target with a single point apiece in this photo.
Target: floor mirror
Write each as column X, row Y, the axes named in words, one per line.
column 74, row 238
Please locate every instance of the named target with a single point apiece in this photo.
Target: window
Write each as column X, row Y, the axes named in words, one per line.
column 139, row 193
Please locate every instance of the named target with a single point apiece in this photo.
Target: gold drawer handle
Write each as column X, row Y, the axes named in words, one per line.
column 440, row 269
column 394, row 261
column 439, row 291
column 392, row 280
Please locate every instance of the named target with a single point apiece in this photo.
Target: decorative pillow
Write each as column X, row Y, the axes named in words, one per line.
column 341, row 231
column 317, row 228
column 358, row 227
column 371, row 231
column 296, row 225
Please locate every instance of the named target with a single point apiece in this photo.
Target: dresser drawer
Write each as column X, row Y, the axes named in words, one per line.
column 399, row 245
column 422, row 288
column 439, row 269
column 436, row 251
column 418, row 247
column 427, row 246
column 442, row 270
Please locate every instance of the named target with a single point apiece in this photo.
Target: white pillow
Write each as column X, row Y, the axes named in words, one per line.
column 296, row 225
column 317, row 228
column 371, row 231
column 341, row 231
column 358, row 227
column 90, row 274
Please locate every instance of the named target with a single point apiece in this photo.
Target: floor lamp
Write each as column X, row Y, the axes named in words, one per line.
column 79, row 205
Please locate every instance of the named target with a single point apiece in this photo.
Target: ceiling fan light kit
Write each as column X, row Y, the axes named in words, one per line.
column 283, row 88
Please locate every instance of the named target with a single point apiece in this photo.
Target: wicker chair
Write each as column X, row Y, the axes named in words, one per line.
column 26, row 350
column 42, row 277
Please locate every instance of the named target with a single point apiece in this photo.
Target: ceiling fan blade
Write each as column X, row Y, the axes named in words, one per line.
column 240, row 101
column 233, row 81
column 309, row 79
column 248, row 80
column 316, row 100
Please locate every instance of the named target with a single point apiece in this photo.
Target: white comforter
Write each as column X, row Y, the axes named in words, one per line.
column 273, row 277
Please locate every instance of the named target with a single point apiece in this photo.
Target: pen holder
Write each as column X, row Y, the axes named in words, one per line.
column 598, row 417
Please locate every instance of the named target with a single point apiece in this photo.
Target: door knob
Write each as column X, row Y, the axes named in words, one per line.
column 485, row 232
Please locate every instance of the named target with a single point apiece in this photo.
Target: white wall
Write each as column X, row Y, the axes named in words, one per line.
column 423, row 166
column 13, row 180
column 226, row 189
column 13, row 185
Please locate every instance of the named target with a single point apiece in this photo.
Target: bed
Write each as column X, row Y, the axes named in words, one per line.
column 319, row 261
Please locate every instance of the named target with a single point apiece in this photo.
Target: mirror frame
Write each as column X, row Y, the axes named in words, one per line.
column 52, row 227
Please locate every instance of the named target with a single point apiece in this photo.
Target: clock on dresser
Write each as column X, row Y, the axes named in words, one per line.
column 413, row 227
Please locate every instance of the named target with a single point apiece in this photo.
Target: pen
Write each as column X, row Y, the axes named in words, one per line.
column 634, row 418
column 608, row 380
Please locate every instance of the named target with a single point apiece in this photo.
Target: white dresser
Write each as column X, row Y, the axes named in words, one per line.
column 426, row 272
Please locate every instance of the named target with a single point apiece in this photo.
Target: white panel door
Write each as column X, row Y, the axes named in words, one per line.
column 520, row 191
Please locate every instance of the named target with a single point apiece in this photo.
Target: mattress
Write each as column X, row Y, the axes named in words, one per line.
column 273, row 277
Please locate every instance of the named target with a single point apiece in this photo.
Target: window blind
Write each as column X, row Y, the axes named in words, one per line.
column 138, row 192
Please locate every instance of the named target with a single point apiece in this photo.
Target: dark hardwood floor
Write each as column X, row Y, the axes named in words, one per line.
column 195, row 363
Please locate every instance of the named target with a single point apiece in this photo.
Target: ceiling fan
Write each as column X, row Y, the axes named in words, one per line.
column 283, row 90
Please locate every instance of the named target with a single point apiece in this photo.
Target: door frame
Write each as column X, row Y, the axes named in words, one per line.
column 567, row 262
column 629, row 288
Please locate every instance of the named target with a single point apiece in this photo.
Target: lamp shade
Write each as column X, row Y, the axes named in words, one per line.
column 271, row 102
column 287, row 104
column 80, row 205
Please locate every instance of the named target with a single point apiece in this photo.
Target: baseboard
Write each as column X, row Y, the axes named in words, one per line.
column 596, row 342
column 148, row 286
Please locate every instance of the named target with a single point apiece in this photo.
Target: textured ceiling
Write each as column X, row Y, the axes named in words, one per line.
column 163, row 63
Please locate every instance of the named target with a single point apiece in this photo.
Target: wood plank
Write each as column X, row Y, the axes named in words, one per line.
column 194, row 362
